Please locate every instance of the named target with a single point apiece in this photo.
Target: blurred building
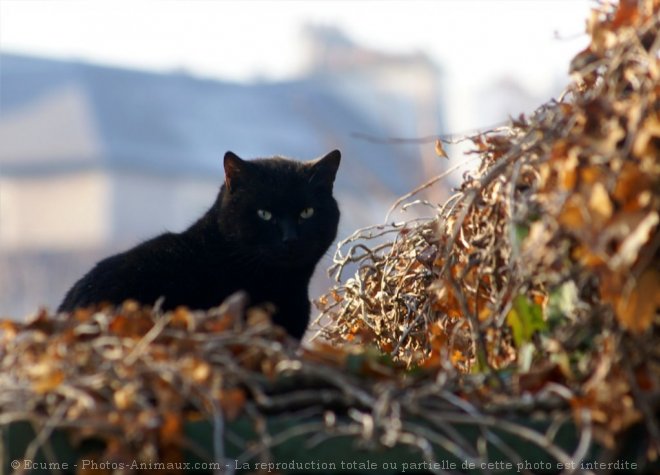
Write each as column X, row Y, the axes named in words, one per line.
column 94, row 159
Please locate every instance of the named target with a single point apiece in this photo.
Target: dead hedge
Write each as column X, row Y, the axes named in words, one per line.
column 546, row 258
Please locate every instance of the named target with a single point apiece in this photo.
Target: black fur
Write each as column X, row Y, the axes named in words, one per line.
column 231, row 247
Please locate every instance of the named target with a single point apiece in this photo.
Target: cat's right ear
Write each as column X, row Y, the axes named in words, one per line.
column 234, row 169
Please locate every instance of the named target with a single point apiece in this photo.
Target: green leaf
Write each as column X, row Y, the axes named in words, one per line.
column 525, row 318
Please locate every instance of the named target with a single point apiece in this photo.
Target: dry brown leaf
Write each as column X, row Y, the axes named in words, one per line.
column 232, row 402
column 172, row 427
column 46, row 377
column 439, row 150
column 573, row 213
column 600, row 203
column 9, row 329
column 636, row 310
column 631, row 245
column 124, row 397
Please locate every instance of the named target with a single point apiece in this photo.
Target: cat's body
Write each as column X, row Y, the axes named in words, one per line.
column 270, row 225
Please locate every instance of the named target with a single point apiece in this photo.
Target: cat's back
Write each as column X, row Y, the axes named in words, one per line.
column 139, row 273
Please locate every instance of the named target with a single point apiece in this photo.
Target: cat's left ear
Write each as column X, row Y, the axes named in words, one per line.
column 234, row 170
column 325, row 168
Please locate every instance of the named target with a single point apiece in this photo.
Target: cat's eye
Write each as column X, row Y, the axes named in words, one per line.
column 264, row 214
column 307, row 213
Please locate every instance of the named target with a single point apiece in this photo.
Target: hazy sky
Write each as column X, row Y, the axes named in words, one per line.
column 474, row 41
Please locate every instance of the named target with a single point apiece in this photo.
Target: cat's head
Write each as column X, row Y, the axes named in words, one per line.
column 281, row 210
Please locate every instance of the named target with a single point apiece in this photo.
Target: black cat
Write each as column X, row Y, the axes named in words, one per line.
column 271, row 223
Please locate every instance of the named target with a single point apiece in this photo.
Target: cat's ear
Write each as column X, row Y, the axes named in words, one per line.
column 324, row 170
column 234, row 170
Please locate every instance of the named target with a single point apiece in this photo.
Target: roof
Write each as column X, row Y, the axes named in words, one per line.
column 57, row 116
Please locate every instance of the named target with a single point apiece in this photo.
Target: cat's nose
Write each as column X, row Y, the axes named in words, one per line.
column 289, row 231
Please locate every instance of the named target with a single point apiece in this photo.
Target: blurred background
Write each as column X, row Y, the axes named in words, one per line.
column 115, row 115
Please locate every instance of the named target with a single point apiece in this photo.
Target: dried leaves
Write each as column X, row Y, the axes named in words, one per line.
column 132, row 377
column 550, row 246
